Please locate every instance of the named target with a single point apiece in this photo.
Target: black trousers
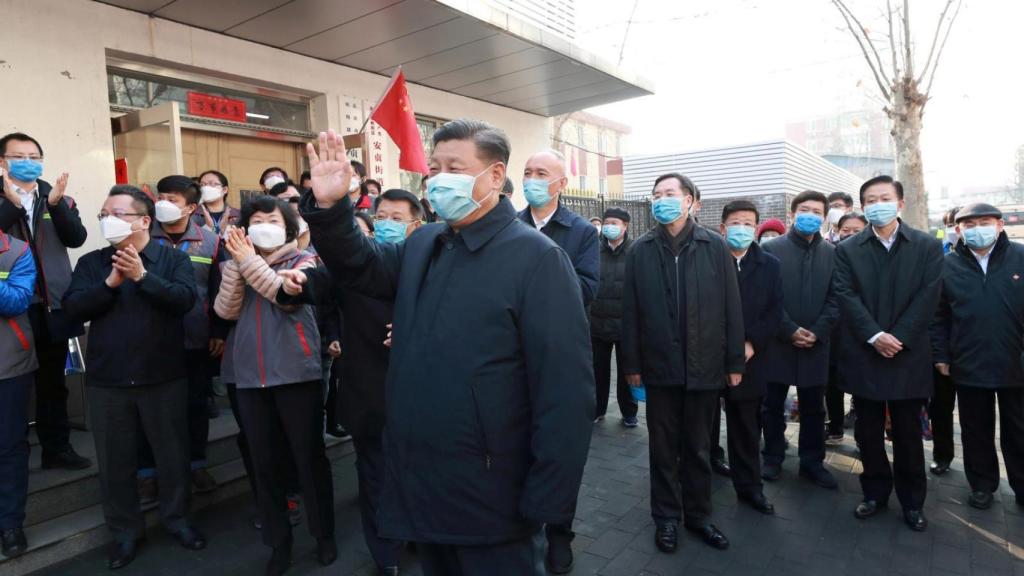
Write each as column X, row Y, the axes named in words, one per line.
column 678, row 422
column 812, row 424
column 978, row 433
column 908, row 469
column 940, row 411
column 835, row 402
column 743, row 433
column 603, row 376
column 519, row 558
column 241, row 439
column 370, row 472
column 13, row 450
column 294, row 413
column 120, row 418
column 52, row 426
column 200, row 383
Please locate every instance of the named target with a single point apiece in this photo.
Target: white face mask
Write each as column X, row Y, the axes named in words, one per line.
column 211, row 193
column 272, row 181
column 167, row 212
column 354, row 184
column 834, row 214
column 114, row 229
column 267, row 236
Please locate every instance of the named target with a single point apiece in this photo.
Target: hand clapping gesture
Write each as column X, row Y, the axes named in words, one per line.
column 239, row 245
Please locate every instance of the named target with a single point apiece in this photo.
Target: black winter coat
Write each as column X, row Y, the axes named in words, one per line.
column 810, row 303
column 979, row 328
column 490, row 388
column 896, row 292
column 606, row 309
column 579, row 240
column 760, row 278
column 364, row 363
column 652, row 344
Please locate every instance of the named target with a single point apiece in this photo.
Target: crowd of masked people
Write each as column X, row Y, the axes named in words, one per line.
column 467, row 347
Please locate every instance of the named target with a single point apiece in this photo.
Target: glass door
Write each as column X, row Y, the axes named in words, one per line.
column 147, row 145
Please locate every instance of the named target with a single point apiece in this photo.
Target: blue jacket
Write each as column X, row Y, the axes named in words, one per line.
column 579, row 240
column 760, row 278
column 490, row 388
column 18, row 286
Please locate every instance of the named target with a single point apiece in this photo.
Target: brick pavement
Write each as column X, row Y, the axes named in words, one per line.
column 813, row 532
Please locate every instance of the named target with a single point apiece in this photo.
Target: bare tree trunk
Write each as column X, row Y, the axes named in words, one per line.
column 907, row 121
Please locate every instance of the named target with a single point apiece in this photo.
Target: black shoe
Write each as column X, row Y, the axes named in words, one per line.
column 980, row 499
column 939, row 468
column 14, row 543
column 758, row 502
column 869, row 508
column 389, row 571
column 559, row 559
column 121, row 554
column 190, row 538
column 915, row 520
column 721, row 467
column 337, row 431
column 326, row 551
column 280, row 559
column 203, row 481
column 712, row 536
column 771, row 472
column 148, row 490
column 820, row 476
column 68, row 460
column 666, row 536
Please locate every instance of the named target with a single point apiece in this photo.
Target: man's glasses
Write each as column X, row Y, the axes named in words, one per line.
column 117, row 214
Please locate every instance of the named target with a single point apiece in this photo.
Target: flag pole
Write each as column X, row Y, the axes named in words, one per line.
column 387, row 89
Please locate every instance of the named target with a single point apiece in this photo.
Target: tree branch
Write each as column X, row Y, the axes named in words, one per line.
column 935, row 40
column 908, row 56
column 875, row 70
column 938, row 55
column 892, row 41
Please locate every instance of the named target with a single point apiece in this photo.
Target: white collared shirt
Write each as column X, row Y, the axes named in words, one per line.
column 887, row 242
column 542, row 223
column 983, row 260
column 28, row 202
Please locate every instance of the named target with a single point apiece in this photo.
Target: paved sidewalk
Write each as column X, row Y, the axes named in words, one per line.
column 813, row 533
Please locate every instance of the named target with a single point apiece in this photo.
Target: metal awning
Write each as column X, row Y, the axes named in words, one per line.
column 466, row 47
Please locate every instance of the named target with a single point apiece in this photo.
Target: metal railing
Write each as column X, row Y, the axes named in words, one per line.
column 641, row 219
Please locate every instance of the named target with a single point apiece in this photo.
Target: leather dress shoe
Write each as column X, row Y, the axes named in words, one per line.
column 67, row 459
column 559, row 559
column 721, row 467
column 771, row 472
column 820, row 476
column 389, row 571
column 280, row 559
column 121, row 554
column 338, row 431
column 980, row 499
column 758, row 502
column 712, row 536
column 666, row 537
column 14, row 543
column 326, row 551
column 869, row 508
column 939, row 468
column 190, row 538
column 915, row 520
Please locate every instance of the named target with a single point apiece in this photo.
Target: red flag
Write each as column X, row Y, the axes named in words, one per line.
column 395, row 115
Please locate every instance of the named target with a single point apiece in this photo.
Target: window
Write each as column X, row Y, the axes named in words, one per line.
column 583, row 183
column 602, row 186
column 580, row 136
column 602, row 137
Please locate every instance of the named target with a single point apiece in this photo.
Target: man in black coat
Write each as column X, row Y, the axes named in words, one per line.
column 798, row 355
column 888, row 279
column 978, row 339
column 760, row 280
column 683, row 339
column 490, row 399
column 606, row 316
column 943, row 402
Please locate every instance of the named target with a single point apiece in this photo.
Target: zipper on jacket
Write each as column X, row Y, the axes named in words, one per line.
column 679, row 296
column 480, row 427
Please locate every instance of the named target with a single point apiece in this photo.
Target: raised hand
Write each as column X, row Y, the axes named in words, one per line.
column 330, row 171
column 239, row 245
column 59, row 187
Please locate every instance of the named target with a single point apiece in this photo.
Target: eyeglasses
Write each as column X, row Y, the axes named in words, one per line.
column 22, row 157
column 117, row 214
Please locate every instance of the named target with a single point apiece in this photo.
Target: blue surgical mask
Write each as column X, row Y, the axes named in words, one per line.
column 667, row 209
column 389, row 231
column 881, row 213
column 807, row 223
column 451, row 195
column 980, row 237
column 536, row 192
column 25, row 170
column 739, row 236
column 611, row 231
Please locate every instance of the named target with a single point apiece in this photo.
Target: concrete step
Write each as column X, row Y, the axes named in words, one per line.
column 82, row 528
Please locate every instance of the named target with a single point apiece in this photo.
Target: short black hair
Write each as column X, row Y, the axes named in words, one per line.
column 508, row 189
column 267, row 204
column 282, row 187
column 399, row 195
column 272, row 169
column 684, row 182
column 846, row 198
column 304, row 176
column 178, row 184
column 220, row 177
column 950, row 216
column 883, row 179
column 740, row 206
column 140, row 200
column 491, row 143
column 374, row 182
column 19, row 137
column 366, row 218
column 808, row 196
column 359, row 168
column 851, row 216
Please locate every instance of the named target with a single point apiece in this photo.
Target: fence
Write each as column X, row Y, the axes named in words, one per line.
column 641, row 219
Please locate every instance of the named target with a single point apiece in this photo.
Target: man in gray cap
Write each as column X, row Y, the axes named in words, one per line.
column 982, row 311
